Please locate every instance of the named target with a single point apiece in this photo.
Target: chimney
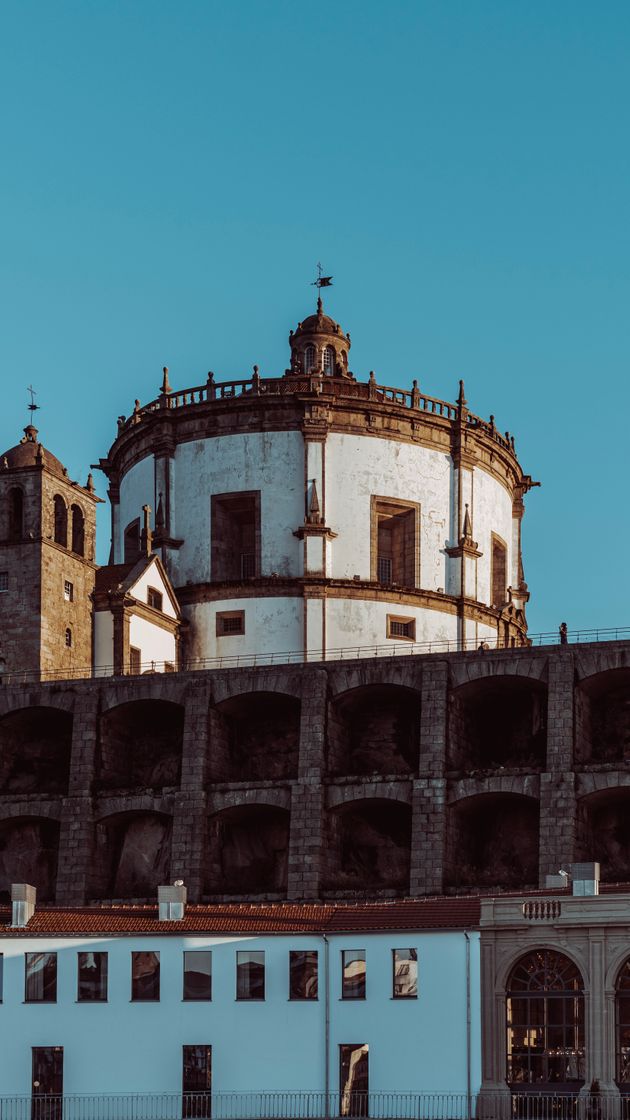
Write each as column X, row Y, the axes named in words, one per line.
column 172, row 902
column 23, row 897
column 585, row 878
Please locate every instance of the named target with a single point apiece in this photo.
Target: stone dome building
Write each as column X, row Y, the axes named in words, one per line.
column 314, row 513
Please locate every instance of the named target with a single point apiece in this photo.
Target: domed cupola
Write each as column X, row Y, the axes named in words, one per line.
column 318, row 345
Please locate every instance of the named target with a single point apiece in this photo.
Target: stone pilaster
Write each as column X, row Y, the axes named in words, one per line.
column 557, row 823
column 434, row 719
column 560, row 714
column 428, row 830
column 76, row 837
column 189, row 811
column 307, row 811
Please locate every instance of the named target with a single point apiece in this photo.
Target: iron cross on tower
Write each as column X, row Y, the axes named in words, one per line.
column 32, row 407
column 321, row 282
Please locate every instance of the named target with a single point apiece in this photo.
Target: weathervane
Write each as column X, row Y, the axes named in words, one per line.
column 321, row 282
column 32, row 407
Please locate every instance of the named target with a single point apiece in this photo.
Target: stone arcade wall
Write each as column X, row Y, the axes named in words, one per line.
column 373, row 778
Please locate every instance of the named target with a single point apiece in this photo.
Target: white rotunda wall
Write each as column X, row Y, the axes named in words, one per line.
column 137, row 488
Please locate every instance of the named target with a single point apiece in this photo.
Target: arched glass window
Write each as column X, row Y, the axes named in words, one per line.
column 329, row 361
column 545, row 1022
column 61, row 521
column 310, row 359
column 622, row 1001
column 131, row 547
column 16, row 514
column 78, row 531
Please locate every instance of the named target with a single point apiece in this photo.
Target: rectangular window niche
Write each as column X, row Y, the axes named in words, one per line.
column 394, row 541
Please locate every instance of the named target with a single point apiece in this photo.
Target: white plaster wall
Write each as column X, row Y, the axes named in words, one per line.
column 103, row 643
column 119, row 1046
column 155, row 644
column 359, row 466
column 491, row 513
column 272, row 625
column 152, row 578
column 137, row 488
column 355, row 622
column 272, row 462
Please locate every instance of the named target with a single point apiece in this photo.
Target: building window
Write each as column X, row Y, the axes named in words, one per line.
column 68, row 591
column 16, row 514
column 622, row 1002
column 196, row 1082
column 250, row 975
column 68, row 638
column 47, row 1083
column 60, row 513
column 135, row 661
column 198, row 974
column 40, row 978
column 131, row 541
column 545, row 1022
column 145, row 976
column 398, row 627
column 353, row 1079
column 92, row 977
column 310, row 359
column 78, row 530
column 235, row 535
column 353, row 974
column 230, row 622
column 303, row 975
column 395, row 541
column 329, row 361
column 405, row 962
column 154, row 598
column 4, row 581
column 498, row 576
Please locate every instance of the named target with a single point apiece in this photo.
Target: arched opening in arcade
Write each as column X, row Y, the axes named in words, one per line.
column 374, row 729
column 498, row 723
column 545, row 1024
column 247, row 852
column 602, row 719
column 140, row 746
column 603, row 832
column 622, row 1028
column 29, row 851
column 132, row 855
column 369, row 848
column 256, row 736
column 493, row 842
column 35, row 746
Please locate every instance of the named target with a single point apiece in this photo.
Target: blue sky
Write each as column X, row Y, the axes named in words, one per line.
column 171, row 173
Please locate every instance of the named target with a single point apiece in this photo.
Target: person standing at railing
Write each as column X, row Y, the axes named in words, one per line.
column 564, row 634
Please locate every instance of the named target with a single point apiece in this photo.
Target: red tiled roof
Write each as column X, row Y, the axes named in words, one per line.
column 290, row 917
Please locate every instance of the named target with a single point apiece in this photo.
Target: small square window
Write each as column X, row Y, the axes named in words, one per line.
column 41, row 978
column 92, row 978
column 154, row 598
column 250, row 975
column 4, row 581
column 405, row 962
column 68, row 638
column 145, row 976
column 353, row 981
column 230, row 622
column 303, row 975
column 399, row 627
column 198, row 974
column 68, row 591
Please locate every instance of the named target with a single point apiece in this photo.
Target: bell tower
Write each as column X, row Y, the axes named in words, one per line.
column 47, row 565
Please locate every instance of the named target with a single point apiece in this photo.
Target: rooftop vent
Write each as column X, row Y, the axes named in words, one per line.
column 172, row 902
column 585, row 878
column 23, row 897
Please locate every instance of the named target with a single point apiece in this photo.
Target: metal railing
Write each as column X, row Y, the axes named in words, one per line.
column 268, row 658
column 282, row 1105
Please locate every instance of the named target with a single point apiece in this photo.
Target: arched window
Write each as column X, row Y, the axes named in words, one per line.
column 78, row 531
column 329, row 361
column 498, row 575
column 545, row 1022
column 69, row 638
column 61, row 521
column 131, row 544
column 622, row 1001
column 310, row 359
column 16, row 514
